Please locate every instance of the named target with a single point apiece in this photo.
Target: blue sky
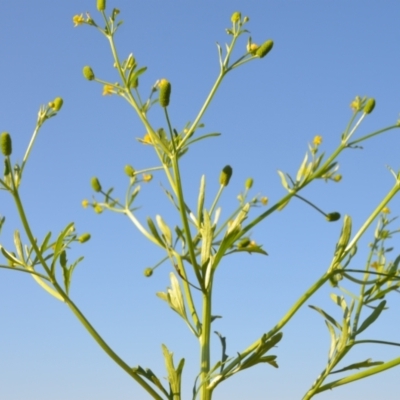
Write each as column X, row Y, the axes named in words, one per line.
column 325, row 54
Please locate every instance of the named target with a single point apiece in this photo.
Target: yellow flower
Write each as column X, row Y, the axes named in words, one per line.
column 147, row 177
column 358, row 103
column 252, row 48
column 85, row 203
column 98, row 209
column 108, row 90
column 317, row 140
column 147, row 138
column 375, row 265
column 264, row 201
column 78, row 20
column 386, row 210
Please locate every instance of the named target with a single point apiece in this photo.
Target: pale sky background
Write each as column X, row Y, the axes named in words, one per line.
column 325, row 54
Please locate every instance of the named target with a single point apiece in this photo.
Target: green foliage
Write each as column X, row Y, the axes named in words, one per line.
column 201, row 240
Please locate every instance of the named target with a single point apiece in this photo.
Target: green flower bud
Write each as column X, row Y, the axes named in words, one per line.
column 264, row 49
column 369, row 106
column 236, row 17
column 249, row 183
column 84, row 238
column 101, row 5
column 5, row 144
column 56, row 104
column 88, row 73
column 129, row 171
column 165, row 92
column 243, row 243
column 225, row 176
column 332, row 217
column 95, row 184
column 148, row 272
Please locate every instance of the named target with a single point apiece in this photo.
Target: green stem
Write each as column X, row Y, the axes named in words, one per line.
column 361, row 139
column 360, row 375
column 74, row 308
column 182, row 205
column 205, row 392
column 286, row 318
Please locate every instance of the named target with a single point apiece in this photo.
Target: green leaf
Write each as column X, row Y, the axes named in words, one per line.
column 327, row 316
column 174, row 375
column 165, row 230
column 284, row 181
column 334, row 340
column 18, row 246
column 200, row 200
column 372, row 317
column 207, row 237
column 363, row 364
column 154, row 231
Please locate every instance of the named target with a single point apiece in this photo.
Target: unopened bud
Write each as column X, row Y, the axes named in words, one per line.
column 165, row 92
column 148, row 272
column 249, row 183
column 369, row 106
column 236, row 17
column 264, row 49
column 129, row 171
column 88, row 73
column 225, row 176
column 56, row 104
column 332, row 217
column 95, row 184
column 5, row 144
column 101, row 5
column 84, row 238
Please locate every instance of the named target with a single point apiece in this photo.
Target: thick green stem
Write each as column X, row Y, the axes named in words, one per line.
column 205, row 393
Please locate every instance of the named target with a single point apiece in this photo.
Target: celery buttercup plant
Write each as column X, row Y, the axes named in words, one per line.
column 196, row 246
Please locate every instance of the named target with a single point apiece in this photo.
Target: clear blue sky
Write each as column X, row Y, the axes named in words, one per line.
column 325, row 54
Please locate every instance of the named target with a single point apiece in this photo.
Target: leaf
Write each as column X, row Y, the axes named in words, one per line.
column 200, row 200
column 214, row 134
column 303, row 170
column 164, row 228
column 207, row 237
column 18, row 246
column 327, row 316
column 11, row 257
column 363, row 364
column 154, row 231
column 174, row 375
column 284, row 181
column 334, row 340
column 372, row 317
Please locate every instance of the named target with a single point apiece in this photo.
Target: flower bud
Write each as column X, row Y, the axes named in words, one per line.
column 332, row 217
column 243, row 243
column 5, row 144
column 84, row 238
column 165, row 92
column 101, row 5
column 129, row 171
column 148, row 272
column 369, row 106
column 225, row 176
column 264, row 49
column 249, row 183
column 88, row 73
column 95, row 184
column 56, row 104
column 236, row 17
